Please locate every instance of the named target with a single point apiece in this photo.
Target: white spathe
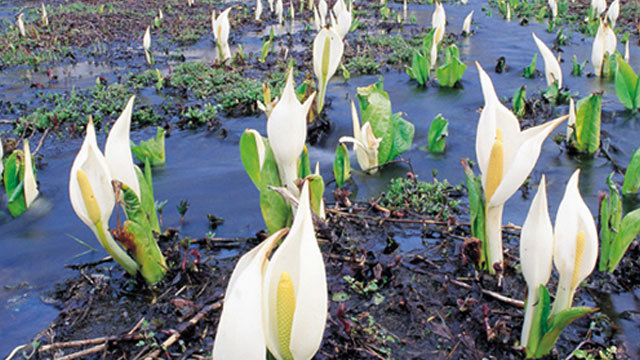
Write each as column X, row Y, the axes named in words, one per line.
column 117, row 150
column 20, row 24
column 287, row 133
column 249, row 321
column 536, row 253
column 258, row 9
column 576, row 244
column 30, row 186
column 280, row 11
column 554, row 8
column 506, row 155
column 466, row 25
column 1, row 156
column 299, row 256
column 439, row 21
column 221, row 28
column 327, row 54
column 146, row 44
column 259, row 145
column 43, row 16
column 613, row 12
column 604, row 43
column 598, row 6
column 96, row 209
column 571, row 123
column 342, row 18
column 322, row 10
column 365, row 144
column 552, row 70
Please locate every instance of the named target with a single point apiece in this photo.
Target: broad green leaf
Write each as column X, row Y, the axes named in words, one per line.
column 420, row 69
column 376, row 109
column 249, row 157
column 276, row 212
column 558, row 323
column 588, row 123
column 477, row 207
column 316, row 193
column 304, row 167
column 610, row 218
column 629, row 229
column 539, row 324
column 402, row 136
column 152, row 149
column 145, row 251
column 520, row 100
column 530, row 70
column 452, row 70
column 427, row 42
column 438, row 132
column 13, row 183
column 632, row 175
column 341, row 165
column 626, row 81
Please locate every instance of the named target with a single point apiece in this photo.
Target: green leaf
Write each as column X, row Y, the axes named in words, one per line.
column 133, row 208
column 340, row 297
column 152, row 149
column 276, row 212
column 558, row 323
column 438, row 132
column 452, row 70
column 629, row 229
column 249, row 157
column 403, row 136
column 376, row 109
column 541, row 312
column 520, row 100
column 631, row 182
column 146, row 252
column 588, row 124
column 626, row 81
column 13, row 183
column 477, row 208
column 530, row 70
column 610, row 218
column 304, row 167
column 147, row 197
column 316, row 193
column 341, row 165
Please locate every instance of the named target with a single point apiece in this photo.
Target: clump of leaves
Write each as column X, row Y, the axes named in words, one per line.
column 436, row 199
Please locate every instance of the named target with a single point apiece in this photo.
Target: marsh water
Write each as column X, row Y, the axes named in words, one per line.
column 204, row 168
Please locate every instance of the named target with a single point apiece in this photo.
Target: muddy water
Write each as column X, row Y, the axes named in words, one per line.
column 206, row 170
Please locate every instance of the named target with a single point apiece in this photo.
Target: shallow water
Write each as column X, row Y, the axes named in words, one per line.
column 206, row 170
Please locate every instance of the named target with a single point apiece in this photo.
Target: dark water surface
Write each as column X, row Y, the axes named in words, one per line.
column 206, row 169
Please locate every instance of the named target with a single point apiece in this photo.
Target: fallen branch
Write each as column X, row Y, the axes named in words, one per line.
column 493, row 294
column 94, row 341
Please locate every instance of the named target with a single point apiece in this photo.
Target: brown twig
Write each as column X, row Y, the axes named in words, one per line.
column 94, row 341
column 184, row 327
column 493, row 294
column 44, row 136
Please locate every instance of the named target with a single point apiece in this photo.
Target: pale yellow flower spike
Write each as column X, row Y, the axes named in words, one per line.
column 580, row 242
column 90, row 202
column 286, row 306
column 496, row 166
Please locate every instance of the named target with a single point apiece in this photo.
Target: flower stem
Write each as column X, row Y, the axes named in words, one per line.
column 494, row 237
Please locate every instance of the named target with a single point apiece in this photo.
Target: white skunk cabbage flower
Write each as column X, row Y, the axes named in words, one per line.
column 221, row 29
column 327, row 53
column 342, row 18
column 605, row 42
column 43, row 16
column 117, row 150
column 190, row 3
column 626, row 52
column 598, row 6
column 270, row 5
column 30, row 186
column 279, row 304
column 536, row 253
column 160, row 14
column 613, row 12
column 405, row 10
column 295, row 290
column 552, row 70
column 554, row 8
column 317, row 21
column 146, row 44
column 280, row 11
column 466, row 25
column 287, row 133
column 1, row 156
column 439, row 21
column 571, row 123
column 92, row 196
column 258, row 9
column 433, row 53
column 322, row 10
column 292, row 13
column 365, row 144
column 259, row 145
column 576, row 244
column 20, row 24
column 508, row 12
column 505, row 157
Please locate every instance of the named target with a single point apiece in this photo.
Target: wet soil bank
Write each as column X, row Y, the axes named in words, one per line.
column 401, row 286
